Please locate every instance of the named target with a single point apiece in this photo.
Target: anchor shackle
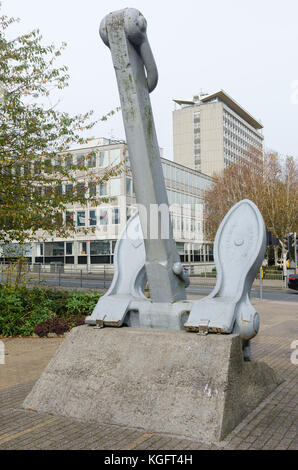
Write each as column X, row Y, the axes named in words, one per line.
column 135, row 27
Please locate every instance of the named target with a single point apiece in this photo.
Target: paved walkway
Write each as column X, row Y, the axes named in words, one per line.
column 273, row 425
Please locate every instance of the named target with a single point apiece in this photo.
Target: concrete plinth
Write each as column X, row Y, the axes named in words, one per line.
column 174, row 382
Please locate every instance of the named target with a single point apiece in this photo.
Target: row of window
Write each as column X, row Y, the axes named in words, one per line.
column 175, row 197
column 238, row 143
column 107, row 247
column 236, row 127
column 111, row 188
column 93, row 159
column 233, row 158
column 99, row 159
column 186, row 224
column 85, row 218
column 97, row 247
column 185, row 177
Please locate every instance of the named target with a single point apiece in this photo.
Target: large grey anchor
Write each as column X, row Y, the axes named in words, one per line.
column 240, row 241
column 124, row 32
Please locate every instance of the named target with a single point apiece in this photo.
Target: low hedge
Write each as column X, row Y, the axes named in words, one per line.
column 24, row 311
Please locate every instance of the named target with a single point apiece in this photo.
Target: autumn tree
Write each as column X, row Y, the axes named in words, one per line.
column 273, row 188
column 35, row 141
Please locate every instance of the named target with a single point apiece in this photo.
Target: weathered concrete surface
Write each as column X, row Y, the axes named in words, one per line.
column 165, row 381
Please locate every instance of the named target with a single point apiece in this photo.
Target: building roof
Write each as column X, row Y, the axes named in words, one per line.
column 221, row 94
column 184, row 102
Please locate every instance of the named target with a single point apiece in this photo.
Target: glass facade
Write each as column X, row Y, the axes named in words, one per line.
column 184, row 186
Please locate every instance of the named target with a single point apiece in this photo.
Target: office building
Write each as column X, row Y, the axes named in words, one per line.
column 213, row 131
column 104, row 223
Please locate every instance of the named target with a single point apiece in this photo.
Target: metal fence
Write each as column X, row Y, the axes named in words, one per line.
column 100, row 276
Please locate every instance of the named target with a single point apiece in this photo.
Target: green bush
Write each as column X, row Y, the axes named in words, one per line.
column 22, row 309
column 81, row 303
column 12, row 315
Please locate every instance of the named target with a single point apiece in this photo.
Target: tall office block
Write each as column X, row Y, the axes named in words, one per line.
column 212, row 131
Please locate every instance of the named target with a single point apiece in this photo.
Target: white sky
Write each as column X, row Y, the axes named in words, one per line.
column 247, row 48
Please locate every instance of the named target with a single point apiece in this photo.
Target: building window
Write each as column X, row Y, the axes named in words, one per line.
column 81, row 161
column 115, row 216
column 39, row 249
column 115, row 156
column 92, row 189
column 58, row 162
column 173, row 173
column 103, row 217
column 103, row 189
column 115, row 187
column 83, row 248
column 69, row 161
column 92, row 218
column 128, row 186
column 37, row 168
column 103, row 159
column 54, row 249
column 68, row 188
column 168, row 170
column 80, row 189
column 48, row 166
column 100, row 247
column 48, row 190
column 69, row 218
column 81, row 219
column 69, row 248
column 91, row 160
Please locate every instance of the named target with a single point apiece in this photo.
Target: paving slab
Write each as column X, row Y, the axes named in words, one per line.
column 272, row 425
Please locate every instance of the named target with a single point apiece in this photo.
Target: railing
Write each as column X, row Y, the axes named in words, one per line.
column 202, row 276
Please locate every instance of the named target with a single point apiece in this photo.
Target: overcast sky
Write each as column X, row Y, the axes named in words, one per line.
column 247, row 48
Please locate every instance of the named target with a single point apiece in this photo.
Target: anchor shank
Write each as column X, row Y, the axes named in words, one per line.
column 161, row 252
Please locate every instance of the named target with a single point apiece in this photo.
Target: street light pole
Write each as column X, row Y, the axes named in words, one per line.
column 295, row 252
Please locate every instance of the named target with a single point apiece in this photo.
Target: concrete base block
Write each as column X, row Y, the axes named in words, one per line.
column 172, row 382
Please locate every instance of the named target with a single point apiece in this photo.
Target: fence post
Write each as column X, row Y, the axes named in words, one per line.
column 59, row 275
column 39, row 268
column 81, row 278
column 261, row 284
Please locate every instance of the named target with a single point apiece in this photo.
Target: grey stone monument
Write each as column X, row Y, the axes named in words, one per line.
column 153, row 370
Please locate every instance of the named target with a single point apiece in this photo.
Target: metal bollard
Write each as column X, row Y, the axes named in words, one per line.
column 81, row 278
column 59, row 276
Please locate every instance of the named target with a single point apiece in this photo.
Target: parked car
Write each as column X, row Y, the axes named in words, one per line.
column 293, row 281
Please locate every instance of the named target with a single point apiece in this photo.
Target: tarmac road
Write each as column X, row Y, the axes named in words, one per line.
column 284, row 295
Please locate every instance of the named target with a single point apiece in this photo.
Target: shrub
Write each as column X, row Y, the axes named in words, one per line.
column 58, row 299
column 22, row 309
column 81, row 302
column 12, row 315
column 58, row 325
